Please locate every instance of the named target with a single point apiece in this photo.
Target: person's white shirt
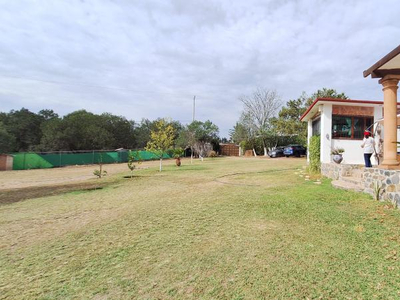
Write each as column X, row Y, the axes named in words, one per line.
column 368, row 145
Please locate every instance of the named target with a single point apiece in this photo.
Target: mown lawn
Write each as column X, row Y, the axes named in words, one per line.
column 262, row 232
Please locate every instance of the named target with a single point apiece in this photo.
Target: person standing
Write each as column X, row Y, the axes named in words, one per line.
column 368, row 144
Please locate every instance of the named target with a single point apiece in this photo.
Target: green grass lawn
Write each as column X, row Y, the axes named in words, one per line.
column 262, row 232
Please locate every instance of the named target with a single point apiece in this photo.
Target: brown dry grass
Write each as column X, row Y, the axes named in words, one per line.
column 182, row 234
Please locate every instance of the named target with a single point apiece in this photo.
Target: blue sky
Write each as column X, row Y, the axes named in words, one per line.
column 146, row 59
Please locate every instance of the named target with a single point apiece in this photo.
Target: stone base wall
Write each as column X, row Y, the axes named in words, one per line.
column 387, row 181
column 337, row 171
column 371, row 180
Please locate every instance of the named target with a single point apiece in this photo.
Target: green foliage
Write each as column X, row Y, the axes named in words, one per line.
column 315, row 154
column 133, row 159
column 177, row 152
column 162, row 139
column 337, row 151
column 100, row 173
column 7, row 140
column 239, row 133
column 197, row 134
column 23, row 130
column 377, row 190
column 288, row 123
column 24, row 126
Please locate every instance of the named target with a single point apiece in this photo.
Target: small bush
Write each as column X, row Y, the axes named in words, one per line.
column 315, row 154
column 212, row 154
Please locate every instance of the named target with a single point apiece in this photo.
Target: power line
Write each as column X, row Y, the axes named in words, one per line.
column 84, row 84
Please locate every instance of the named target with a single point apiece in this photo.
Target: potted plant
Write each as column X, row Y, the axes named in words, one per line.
column 337, row 155
column 178, row 152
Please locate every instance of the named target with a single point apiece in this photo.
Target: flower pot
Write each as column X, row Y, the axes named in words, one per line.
column 337, row 158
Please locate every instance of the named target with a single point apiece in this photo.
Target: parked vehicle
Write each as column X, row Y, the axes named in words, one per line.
column 294, row 150
column 276, row 152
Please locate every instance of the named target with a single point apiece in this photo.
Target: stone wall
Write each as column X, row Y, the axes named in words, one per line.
column 371, row 179
column 337, row 171
column 388, row 181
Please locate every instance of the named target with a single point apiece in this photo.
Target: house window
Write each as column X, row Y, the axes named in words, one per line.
column 350, row 127
column 316, row 127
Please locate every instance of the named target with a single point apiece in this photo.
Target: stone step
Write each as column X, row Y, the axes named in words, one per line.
column 346, row 185
column 352, row 179
column 357, row 173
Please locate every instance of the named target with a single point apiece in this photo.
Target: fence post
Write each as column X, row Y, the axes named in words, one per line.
column 60, row 159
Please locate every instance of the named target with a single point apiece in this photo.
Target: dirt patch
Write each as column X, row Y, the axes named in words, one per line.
column 16, row 195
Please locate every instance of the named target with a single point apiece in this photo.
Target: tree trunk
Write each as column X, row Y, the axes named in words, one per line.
column 254, row 152
column 191, row 155
column 265, row 151
column 160, row 164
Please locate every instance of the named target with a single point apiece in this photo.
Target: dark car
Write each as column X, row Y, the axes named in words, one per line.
column 294, row 150
column 276, row 152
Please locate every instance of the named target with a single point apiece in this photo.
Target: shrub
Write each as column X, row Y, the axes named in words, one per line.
column 212, row 154
column 314, row 151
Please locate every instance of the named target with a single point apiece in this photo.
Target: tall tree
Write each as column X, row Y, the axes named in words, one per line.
column 239, row 133
column 196, row 135
column 7, row 140
column 258, row 110
column 121, row 129
column 161, row 139
column 24, row 125
column 288, row 123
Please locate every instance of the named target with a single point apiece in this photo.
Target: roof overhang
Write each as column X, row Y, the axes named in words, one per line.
column 387, row 65
column 315, row 106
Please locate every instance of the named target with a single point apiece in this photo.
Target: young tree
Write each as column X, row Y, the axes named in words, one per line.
column 259, row 109
column 161, row 139
column 133, row 158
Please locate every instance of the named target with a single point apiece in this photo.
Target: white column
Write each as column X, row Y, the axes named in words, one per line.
column 390, row 121
column 309, row 135
column 326, row 132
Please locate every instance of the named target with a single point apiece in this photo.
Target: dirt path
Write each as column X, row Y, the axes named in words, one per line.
column 60, row 176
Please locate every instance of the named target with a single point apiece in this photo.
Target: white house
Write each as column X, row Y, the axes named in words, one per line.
column 341, row 124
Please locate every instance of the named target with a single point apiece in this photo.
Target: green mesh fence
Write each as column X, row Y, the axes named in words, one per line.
column 26, row 161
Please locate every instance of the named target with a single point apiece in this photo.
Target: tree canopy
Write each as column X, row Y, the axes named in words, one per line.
column 23, row 130
column 161, row 139
column 258, row 132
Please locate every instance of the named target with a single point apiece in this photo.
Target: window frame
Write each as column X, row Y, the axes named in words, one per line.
column 352, row 126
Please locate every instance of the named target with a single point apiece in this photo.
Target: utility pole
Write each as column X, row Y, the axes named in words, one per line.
column 194, row 106
column 194, row 111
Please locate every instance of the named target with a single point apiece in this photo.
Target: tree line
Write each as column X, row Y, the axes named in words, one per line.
column 23, row 130
column 265, row 123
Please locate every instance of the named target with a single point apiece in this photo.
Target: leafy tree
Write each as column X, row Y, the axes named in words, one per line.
column 239, row 133
column 142, row 132
column 24, row 125
column 200, row 134
column 121, row 129
column 53, row 136
column 7, row 140
column 83, row 130
column 288, row 123
column 258, row 110
column 48, row 114
column 161, row 139
column 133, row 159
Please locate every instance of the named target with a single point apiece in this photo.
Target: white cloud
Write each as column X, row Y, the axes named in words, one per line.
column 153, row 56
